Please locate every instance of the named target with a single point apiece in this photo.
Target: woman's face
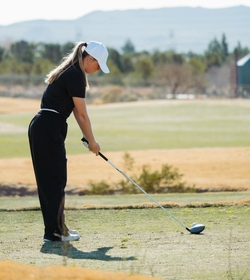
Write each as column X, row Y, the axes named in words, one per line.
column 90, row 65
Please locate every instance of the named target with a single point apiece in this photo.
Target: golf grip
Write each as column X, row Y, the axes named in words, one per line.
column 86, row 143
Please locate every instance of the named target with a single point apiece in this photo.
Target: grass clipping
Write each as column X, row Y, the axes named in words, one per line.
column 13, row 271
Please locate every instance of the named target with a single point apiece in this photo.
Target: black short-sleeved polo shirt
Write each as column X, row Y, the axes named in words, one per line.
column 58, row 95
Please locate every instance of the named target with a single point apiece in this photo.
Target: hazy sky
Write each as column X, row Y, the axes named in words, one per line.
column 13, row 11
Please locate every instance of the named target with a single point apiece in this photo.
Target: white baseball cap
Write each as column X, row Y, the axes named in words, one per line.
column 100, row 53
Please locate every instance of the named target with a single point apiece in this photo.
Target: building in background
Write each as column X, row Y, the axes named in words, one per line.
column 243, row 76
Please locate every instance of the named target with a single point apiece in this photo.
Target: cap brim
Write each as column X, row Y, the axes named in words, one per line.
column 104, row 68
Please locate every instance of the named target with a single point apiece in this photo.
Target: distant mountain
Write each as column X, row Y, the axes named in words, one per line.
column 182, row 29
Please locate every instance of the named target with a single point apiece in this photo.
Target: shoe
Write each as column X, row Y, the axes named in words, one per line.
column 73, row 231
column 70, row 231
column 49, row 238
column 70, row 237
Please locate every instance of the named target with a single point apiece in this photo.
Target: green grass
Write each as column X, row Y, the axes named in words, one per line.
column 145, row 241
column 163, row 126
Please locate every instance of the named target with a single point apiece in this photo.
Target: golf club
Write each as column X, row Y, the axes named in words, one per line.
column 195, row 229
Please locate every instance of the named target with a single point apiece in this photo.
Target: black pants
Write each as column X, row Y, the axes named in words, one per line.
column 47, row 133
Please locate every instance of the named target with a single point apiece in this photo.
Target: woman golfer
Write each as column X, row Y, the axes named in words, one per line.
column 65, row 93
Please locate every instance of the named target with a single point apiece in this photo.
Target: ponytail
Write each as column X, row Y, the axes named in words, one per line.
column 77, row 54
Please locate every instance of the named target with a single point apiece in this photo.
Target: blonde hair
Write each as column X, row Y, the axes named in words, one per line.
column 77, row 54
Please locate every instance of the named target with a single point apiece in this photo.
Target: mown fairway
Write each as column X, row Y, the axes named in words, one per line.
column 144, row 125
column 142, row 241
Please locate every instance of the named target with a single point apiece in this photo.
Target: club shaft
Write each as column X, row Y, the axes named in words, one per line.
column 85, row 142
column 141, row 189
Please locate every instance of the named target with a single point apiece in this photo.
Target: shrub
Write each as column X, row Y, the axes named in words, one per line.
column 168, row 180
column 149, row 181
column 100, row 188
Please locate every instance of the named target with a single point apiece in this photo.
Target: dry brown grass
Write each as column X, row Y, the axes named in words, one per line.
column 9, row 105
column 211, row 169
column 15, row 271
column 206, row 168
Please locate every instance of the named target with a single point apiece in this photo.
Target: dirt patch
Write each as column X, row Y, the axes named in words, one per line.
column 209, row 169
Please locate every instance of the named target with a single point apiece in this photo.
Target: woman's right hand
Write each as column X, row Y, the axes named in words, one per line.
column 94, row 147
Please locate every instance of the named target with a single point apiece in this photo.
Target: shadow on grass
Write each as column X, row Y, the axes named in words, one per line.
column 66, row 249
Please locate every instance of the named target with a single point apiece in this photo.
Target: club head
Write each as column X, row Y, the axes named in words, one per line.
column 196, row 228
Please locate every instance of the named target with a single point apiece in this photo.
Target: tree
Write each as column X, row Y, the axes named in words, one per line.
column 224, row 48
column 42, row 66
column 213, row 59
column 213, row 54
column 23, row 51
column 177, row 58
column 115, row 57
column 145, row 68
column 181, row 78
column 67, row 48
column 240, row 51
column 198, row 66
column 115, row 76
column 127, row 63
column 52, row 52
column 214, row 46
column 1, row 53
column 217, row 52
column 128, row 47
column 160, row 58
column 12, row 65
